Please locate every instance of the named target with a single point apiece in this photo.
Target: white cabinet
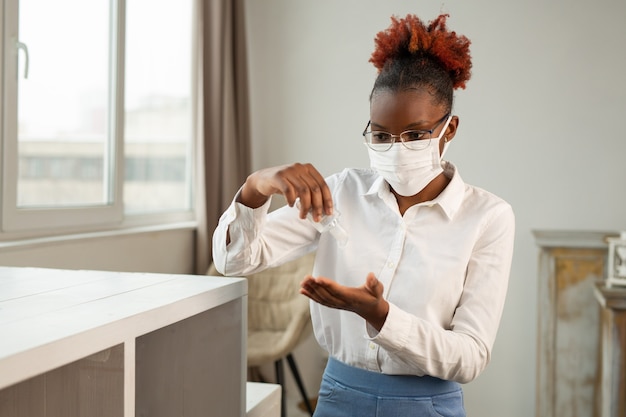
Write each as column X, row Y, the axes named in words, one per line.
column 103, row 344
column 263, row 399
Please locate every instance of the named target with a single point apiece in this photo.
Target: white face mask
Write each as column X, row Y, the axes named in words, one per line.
column 408, row 171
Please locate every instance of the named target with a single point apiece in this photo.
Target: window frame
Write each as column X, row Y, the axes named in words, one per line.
column 44, row 221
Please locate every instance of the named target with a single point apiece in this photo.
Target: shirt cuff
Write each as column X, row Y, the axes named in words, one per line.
column 394, row 333
column 248, row 220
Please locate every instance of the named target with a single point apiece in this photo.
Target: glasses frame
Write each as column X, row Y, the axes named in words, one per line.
column 400, row 136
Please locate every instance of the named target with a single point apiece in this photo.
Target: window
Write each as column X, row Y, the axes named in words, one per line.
column 97, row 122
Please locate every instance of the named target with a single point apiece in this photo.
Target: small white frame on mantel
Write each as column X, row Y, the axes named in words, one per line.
column 616, row 271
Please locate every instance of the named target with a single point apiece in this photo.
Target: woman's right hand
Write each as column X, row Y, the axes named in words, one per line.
column 294, row 181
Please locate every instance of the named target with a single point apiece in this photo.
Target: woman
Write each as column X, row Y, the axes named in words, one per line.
column 408, row 308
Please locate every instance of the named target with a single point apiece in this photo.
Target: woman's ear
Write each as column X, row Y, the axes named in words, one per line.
column 451, row 129
column 449, row 133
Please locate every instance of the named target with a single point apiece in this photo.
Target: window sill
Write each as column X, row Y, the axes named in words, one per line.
column 32, row 242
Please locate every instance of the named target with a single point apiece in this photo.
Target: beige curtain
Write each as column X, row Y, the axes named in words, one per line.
column 223, row 148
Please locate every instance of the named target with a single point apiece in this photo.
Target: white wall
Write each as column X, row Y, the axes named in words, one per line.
column 158, row 251
column 540, row 126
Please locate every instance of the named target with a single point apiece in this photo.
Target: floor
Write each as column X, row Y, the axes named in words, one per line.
column 294, row 405
column 293, row 400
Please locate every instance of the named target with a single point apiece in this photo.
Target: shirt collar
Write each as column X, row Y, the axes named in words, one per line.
column 378, row 187
column 451, row 197
column 449, row 200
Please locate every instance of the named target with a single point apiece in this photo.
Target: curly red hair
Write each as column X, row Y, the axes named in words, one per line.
column 411, row 36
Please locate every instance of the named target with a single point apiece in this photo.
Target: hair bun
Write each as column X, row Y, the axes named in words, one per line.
column 410, row 36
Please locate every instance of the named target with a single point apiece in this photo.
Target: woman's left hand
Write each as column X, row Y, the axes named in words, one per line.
column 367, row 300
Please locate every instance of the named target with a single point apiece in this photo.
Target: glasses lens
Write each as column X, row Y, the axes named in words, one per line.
column 416, row 139
column 378, row 141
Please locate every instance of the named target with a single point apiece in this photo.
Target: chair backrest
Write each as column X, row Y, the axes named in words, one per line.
column 274, row 298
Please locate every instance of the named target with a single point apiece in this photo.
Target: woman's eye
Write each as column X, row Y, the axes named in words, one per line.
column 381, row 137
column 415, row 135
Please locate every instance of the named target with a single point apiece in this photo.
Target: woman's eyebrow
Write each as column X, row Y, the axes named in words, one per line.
column 378, row 127
column 417, row 125
column 413, row 126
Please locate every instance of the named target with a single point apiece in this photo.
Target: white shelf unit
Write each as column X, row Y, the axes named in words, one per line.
column 104, row 344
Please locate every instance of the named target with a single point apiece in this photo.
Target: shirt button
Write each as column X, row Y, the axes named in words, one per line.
column 389, row 264
column 372, row 346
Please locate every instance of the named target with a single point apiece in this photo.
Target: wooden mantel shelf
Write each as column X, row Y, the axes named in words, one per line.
column 611, row 297
column 612, row 376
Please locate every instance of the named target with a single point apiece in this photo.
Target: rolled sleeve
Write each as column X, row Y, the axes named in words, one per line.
column 241, row 224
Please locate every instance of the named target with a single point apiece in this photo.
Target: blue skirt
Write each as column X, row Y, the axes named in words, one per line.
column 347, row 391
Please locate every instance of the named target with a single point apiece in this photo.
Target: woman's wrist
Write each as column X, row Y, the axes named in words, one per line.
column 378, row 317
column 249, row 197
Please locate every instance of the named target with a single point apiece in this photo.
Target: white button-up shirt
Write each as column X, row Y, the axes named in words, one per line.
column 444, row 265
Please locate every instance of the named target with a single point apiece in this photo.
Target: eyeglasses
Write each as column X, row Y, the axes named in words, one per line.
column 412, row 139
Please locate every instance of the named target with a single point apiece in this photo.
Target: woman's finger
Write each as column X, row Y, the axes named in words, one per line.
column 322, row 294
column 320, row 196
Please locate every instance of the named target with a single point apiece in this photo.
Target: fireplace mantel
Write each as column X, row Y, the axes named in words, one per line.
column 571, row 263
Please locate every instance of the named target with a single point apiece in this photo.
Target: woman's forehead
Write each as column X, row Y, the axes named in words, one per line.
column 404, row 107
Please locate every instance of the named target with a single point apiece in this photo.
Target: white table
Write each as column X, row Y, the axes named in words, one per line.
column 262, row 399
column 78, row 343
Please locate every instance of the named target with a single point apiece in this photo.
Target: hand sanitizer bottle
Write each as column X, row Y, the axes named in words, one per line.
column 329, row 224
